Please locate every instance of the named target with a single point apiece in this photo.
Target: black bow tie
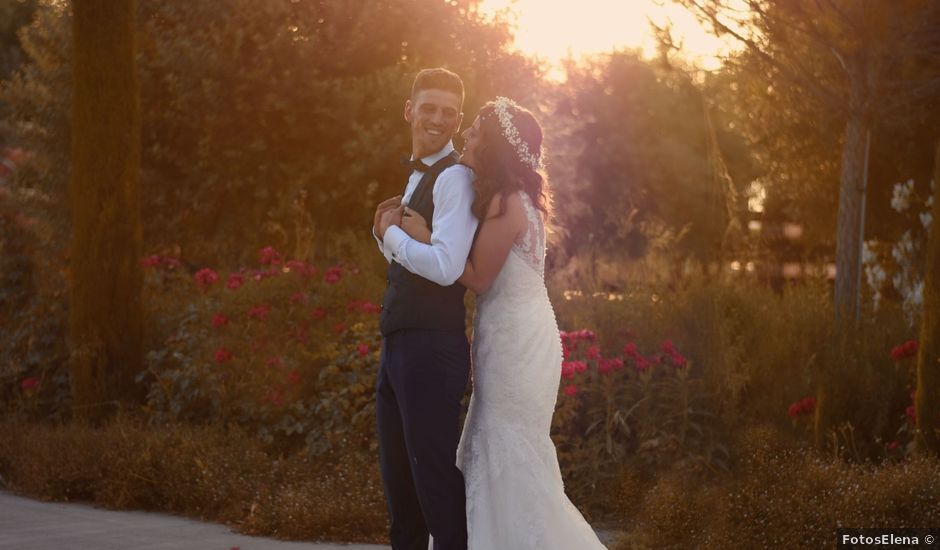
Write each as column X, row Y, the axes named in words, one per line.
column 415, row 164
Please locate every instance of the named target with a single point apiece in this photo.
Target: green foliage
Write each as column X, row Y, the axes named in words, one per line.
column 34, row 304
column 284, row 349
column 755, row 352
column 622, row 410
column 275, row 123
column 14, row 15
column 34, row 377
column 637, row 161
column 38, row 99
column 796, row 133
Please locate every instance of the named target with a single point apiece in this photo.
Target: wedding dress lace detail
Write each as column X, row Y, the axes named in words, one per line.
column 531, row 244
column 515, row 493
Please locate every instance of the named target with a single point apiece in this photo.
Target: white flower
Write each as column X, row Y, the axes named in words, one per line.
column 916, row 294
column 906, row 253
column 501, row 105
column 900, row 198
column 875, row 276
column 906, row 242
column 867, row 255
column 913, row 295
column 897, row 254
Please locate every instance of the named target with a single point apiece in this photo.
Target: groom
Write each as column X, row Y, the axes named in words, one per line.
column 425, row 362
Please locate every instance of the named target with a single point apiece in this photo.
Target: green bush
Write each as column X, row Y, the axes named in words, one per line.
column 624, row 410
column 284, row 349
column 756, row 352
column 34, row 378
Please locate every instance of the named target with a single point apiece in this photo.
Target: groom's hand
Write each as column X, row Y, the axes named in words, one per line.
column 389, row 218
column 383, row 207
column 416, row 226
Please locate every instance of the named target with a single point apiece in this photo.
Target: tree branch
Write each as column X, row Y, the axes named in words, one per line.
column 804, row 80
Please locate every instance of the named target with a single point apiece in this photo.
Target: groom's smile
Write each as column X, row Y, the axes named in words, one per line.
column 435, row 117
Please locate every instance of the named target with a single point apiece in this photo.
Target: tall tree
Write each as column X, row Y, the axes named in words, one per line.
column 643, row 157
column 264, row 123
column 105, row 315
column 843, row 57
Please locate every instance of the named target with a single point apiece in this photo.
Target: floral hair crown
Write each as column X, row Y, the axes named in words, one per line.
column 501, row 106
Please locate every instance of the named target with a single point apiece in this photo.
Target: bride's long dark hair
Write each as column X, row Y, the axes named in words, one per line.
column 500, row 171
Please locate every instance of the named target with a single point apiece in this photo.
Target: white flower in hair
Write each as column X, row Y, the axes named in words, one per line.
column 501, row 106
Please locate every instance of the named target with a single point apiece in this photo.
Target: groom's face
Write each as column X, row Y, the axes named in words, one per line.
column 434, row 116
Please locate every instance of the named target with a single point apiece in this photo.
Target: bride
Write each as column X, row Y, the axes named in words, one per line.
column 515, row 495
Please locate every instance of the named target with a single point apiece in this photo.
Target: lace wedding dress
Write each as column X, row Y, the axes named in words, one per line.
column 515, row 496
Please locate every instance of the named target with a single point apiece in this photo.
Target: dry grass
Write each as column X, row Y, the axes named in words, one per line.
column 783, row 496
column 201, row 472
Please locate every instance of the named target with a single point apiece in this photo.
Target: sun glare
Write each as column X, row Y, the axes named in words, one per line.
column 556, row 30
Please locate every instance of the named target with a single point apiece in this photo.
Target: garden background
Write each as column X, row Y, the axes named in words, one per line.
column 744, row 262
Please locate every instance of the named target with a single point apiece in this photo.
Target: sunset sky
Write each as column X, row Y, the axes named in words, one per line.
column 554, row 30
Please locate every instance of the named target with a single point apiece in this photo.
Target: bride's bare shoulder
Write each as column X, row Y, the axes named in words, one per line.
column 513, row 217
column 514, row 209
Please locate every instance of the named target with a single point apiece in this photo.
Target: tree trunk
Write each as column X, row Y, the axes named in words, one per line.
column 105, row 315
column 848, row 243
column 848, row 240
column 927, row 402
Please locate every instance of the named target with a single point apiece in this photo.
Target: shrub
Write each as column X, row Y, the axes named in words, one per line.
column 284, row 349
column 622, row 410
column 755, row 352
column 34, row 377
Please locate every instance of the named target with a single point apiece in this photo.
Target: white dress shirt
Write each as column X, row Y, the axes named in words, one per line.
column 443, row 260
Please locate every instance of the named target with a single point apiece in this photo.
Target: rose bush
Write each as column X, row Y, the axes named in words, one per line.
column 622, row 409
column 284, row 348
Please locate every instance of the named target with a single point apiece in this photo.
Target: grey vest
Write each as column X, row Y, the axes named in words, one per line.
column 411, row 301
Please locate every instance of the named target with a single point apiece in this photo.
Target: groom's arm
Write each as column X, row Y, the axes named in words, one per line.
column 388, row 257
column 454, row 224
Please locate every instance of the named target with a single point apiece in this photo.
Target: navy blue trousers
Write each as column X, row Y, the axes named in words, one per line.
column 422, row 377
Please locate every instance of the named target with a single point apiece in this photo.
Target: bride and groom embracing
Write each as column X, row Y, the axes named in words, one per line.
column 474, row 221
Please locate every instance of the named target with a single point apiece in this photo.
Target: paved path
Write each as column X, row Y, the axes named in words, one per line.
column 27, row 524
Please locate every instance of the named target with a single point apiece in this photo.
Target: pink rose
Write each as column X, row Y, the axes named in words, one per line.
column 259, row 312
column 268, row 255
column 223, row 355
column 235, row 281
column 205, row 277
column 333, row 275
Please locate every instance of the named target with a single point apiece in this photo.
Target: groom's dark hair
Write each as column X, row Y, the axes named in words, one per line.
column 438, row 79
